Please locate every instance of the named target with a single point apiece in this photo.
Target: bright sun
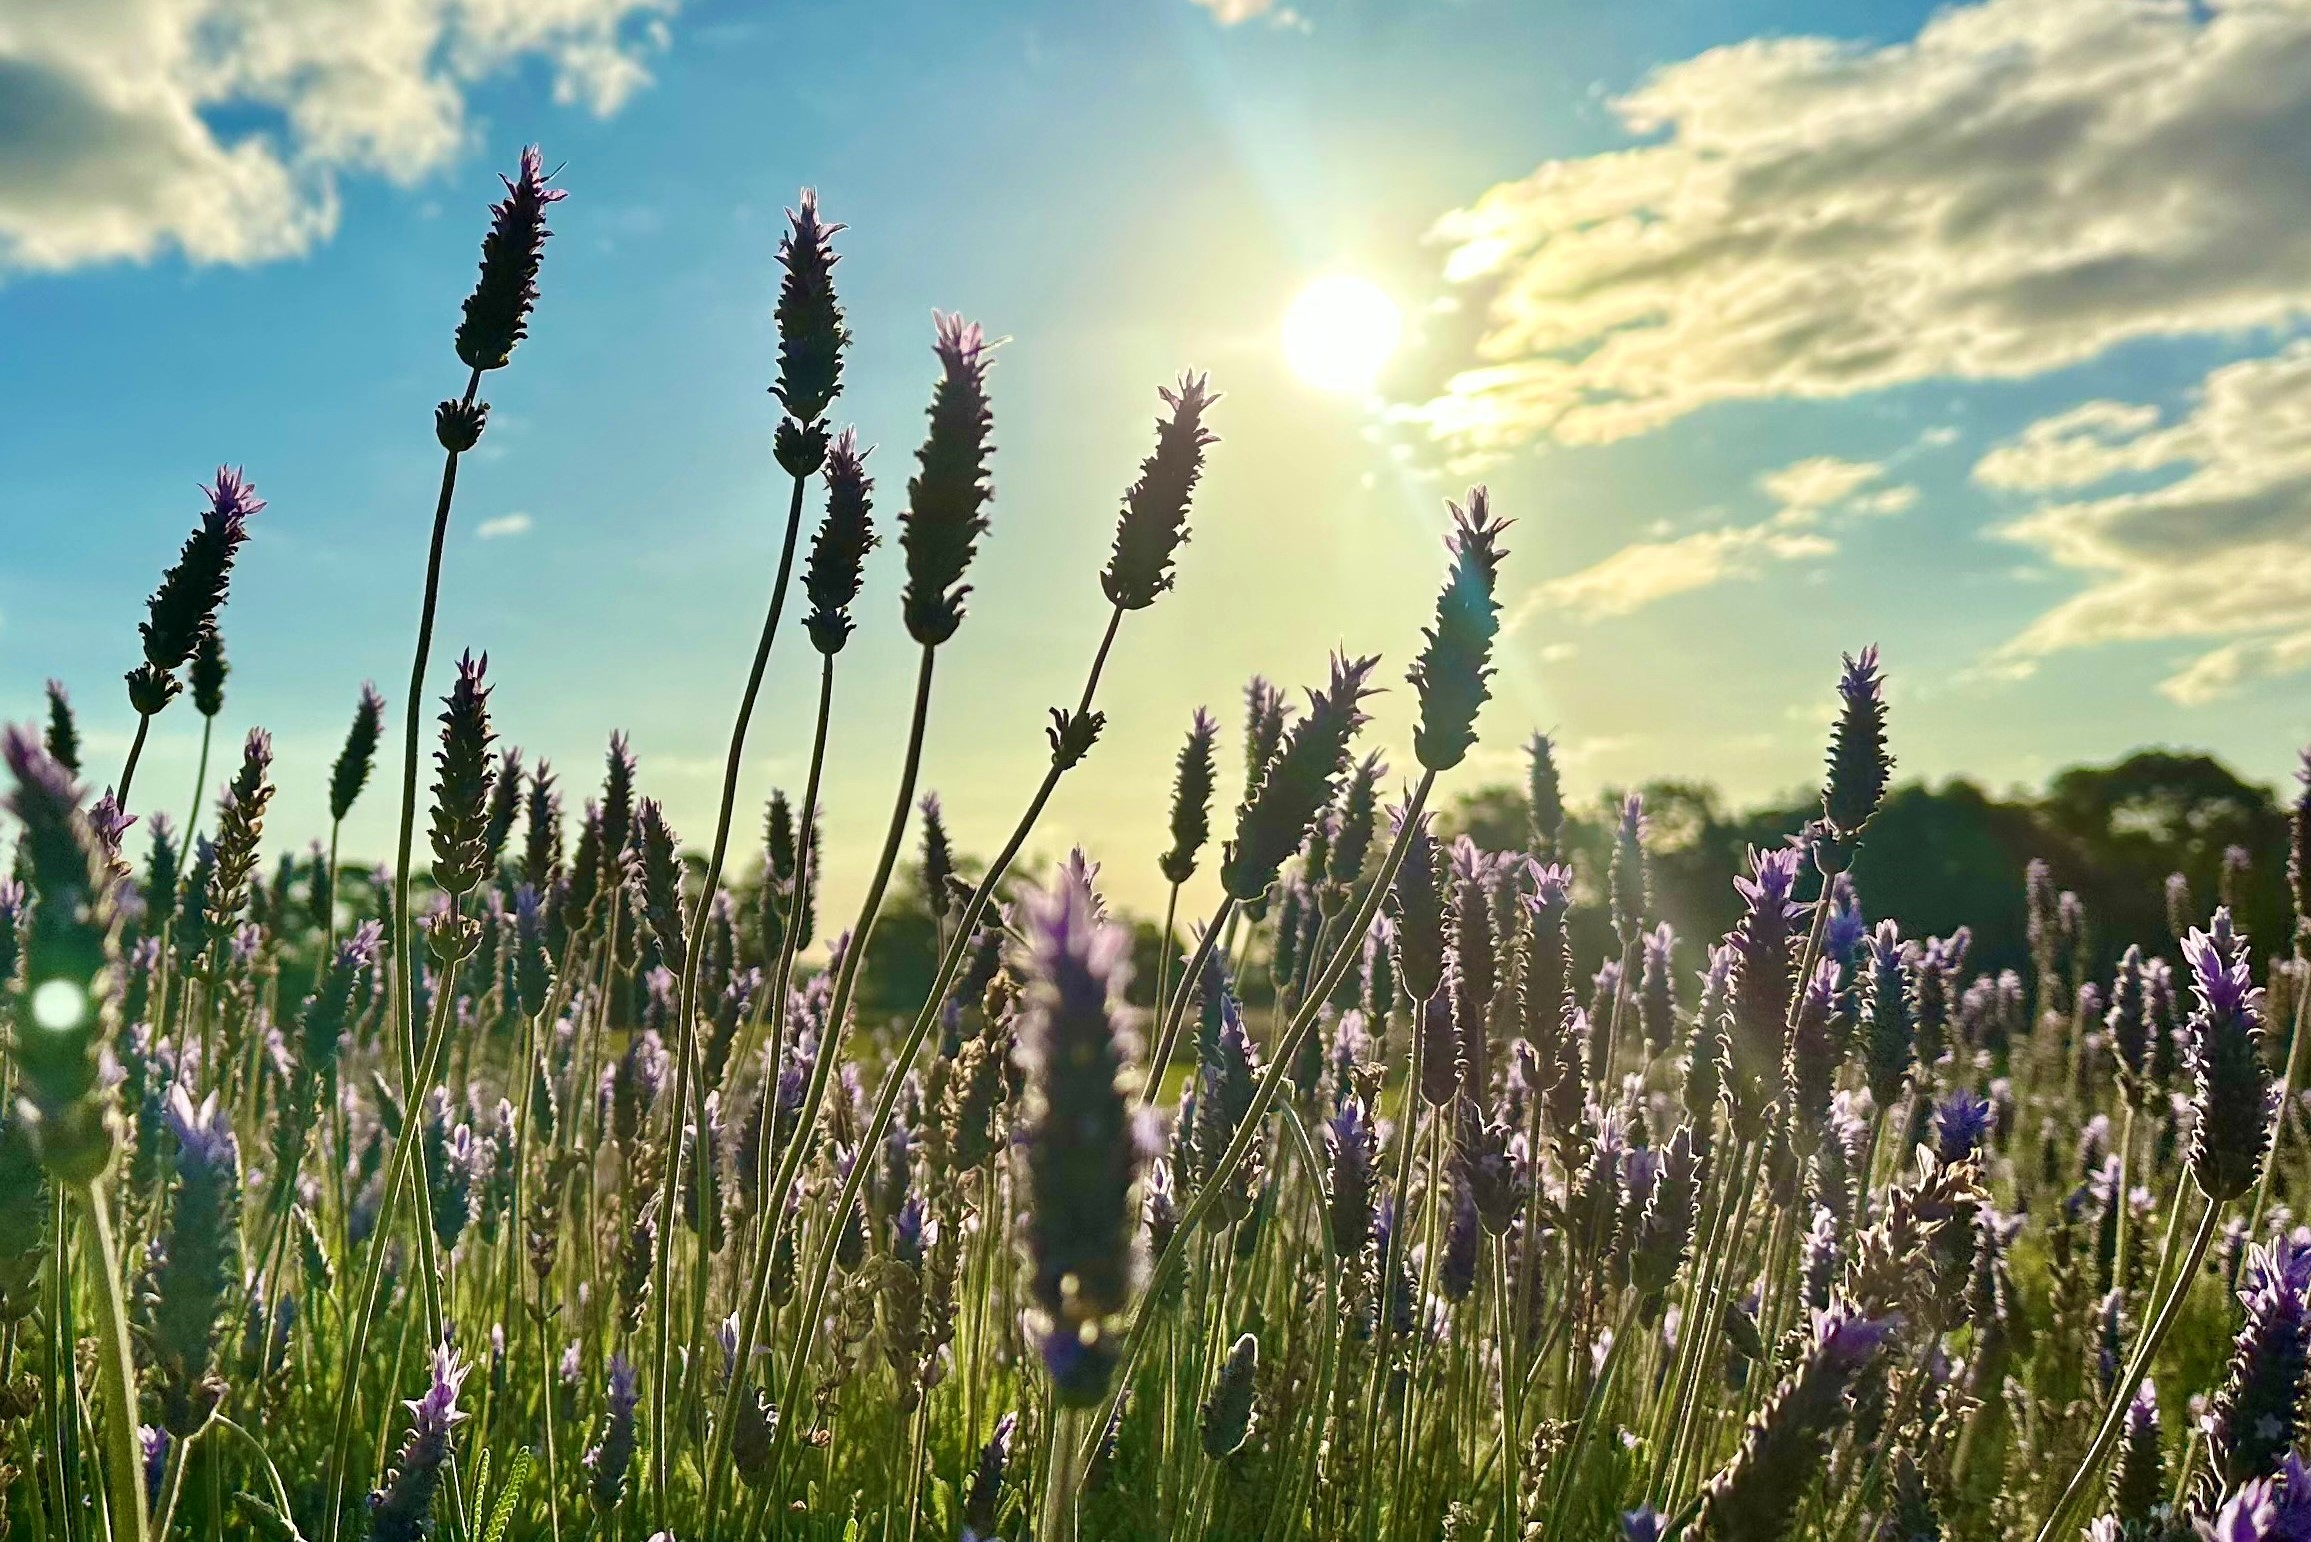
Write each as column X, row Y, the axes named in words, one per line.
column 1340, row 331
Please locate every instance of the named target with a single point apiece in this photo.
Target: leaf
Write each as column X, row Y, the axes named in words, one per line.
column 501, row 1513
column 268, row 1523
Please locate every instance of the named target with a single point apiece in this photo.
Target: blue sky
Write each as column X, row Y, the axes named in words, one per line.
column 1778, row 328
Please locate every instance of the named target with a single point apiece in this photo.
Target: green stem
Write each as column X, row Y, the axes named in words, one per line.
column 894, row 1075
column 200, row 784
column 2083, row 1479
column 116, row 1374
column 1264, row 1096
column 688, row 1087
column 135, row 754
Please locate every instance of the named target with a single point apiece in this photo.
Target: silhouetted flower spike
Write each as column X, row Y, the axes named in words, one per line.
column 1416, row 906
column 811, row 335
column 2257, row 1413
column 1889, row 1044
column 838, row 552
column 497, row 313
column 1858, row 763
column 1453, row 672
column 208, row 672
column 542, row 831
column 1299, row 782
column 402, row 1511
column 938, row 860
column 1761, row 985
column 1754, row 1497
column 2138, row 1483
column 947, row 496
column 2231, row 1107
column 1079, row 1152
column 68, row 943
column 1226, row 1417
column 63, row 734
column 1544, row 796
column 657, row 878
column 463, row 776
column 1352, row 841
column 1265, row 714
column 354, row 761
column 1191, row 799
column 184, row 608
column 1628, row 888
column 1155, row 508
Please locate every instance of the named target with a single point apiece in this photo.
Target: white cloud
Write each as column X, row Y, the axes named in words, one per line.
column 2190, row 527
column 219, row 128
column 2018, row 188
column 1816, row 496
column 504, row 525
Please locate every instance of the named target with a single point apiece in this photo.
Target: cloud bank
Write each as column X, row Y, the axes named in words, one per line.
column 2194, row 527
column 2020, row 187
column 218, row 128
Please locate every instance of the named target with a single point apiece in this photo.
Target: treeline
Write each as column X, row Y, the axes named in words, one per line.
column 1941, row 857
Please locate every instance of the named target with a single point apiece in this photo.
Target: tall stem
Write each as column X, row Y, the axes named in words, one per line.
column 846, row 983
column 116, row 1374
column 406, row 1155
column 200, row 783
column 135, row 753
column 2123, row 1393
column 1264, row 1096
column 686, row 1086
column 894, row 1075
column 772, row 1202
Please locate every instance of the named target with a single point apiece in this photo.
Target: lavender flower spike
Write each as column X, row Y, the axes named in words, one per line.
column 1155, row 508
column 1191, row 799
column 1756, row 1494
column 838, row 552
column 1079, row 1151
column 947, row 496
column 1859, row 765
column 402, row 1511
column 497, row 312
column 1299, row 783
column 1454, row 671
column 2231, row 1109
column 811, row 337
column 2258, row 1411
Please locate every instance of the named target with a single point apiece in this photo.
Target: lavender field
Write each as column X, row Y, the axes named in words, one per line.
column 1412, row 1175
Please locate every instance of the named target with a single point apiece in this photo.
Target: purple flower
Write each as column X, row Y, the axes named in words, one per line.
column 2258, row 1410
column 402, row 1511
column 1080, row 1155
column 2231, row 1123
column 1962, row 1122
column 1761, row 985
column 612, row 1456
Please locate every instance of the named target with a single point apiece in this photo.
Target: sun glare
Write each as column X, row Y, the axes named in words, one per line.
column 1340, row 331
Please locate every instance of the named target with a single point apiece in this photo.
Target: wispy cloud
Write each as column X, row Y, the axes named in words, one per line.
column 1814, row 496
column 2216, row 546
column 2018, row 188
column 503, row 525
column 111, row 144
